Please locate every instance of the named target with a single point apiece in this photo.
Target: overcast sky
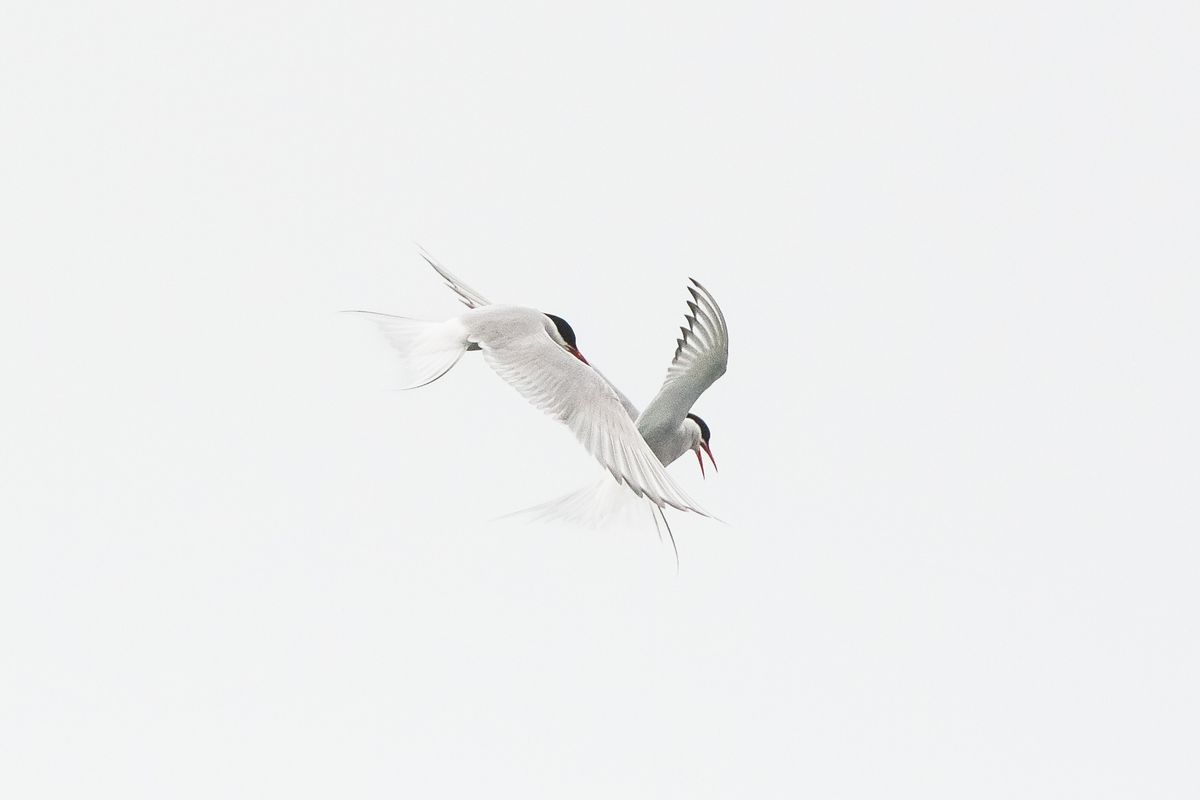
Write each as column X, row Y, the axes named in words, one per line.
column 957, row 248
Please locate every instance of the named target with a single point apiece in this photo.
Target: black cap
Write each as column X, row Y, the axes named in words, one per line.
column 564, row 329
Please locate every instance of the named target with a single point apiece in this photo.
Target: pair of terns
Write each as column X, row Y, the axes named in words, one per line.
column 538, row 355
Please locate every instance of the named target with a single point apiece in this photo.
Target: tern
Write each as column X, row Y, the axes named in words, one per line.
column 538, row 354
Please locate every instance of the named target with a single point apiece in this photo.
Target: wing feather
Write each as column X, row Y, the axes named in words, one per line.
column 573, row 393
column 701, row 357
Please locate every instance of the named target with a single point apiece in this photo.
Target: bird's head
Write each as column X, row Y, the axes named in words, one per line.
column 562, row 333
column 702, row 436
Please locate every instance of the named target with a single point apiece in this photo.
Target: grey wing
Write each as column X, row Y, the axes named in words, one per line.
column 701, row 356
column 468, row 296
column 579, row 397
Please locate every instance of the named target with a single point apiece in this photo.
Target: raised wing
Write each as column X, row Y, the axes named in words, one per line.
column 700, row 358
column 579, row 397
column 468, row 296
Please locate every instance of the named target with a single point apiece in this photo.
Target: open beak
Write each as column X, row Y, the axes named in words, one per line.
column 710, row 457
column 575, row 352
column 700, row 460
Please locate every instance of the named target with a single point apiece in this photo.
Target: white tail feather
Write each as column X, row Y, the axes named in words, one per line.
column 427, row 349
column 601, row 504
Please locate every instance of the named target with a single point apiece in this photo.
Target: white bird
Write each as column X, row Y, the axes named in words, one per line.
column 701, row 356
column 537, row 354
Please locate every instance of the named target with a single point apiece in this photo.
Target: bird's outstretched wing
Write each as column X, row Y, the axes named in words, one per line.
column 579, row 397
column 468, row 296
column 701, row 356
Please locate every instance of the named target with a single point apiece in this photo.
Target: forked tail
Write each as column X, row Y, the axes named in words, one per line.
column 600, row 504
column 427, row 349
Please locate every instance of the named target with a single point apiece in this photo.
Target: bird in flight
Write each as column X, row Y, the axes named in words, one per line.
column 538, row 354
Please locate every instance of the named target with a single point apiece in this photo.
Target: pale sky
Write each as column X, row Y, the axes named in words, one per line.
column 957, row 248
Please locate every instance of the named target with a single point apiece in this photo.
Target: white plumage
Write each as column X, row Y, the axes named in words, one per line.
column 536, row 354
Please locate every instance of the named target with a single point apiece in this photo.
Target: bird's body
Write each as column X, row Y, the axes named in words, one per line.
column 669, row 442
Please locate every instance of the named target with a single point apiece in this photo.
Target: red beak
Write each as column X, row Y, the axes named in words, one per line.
column 710, row 457
column 700, row 461
column 575, row 352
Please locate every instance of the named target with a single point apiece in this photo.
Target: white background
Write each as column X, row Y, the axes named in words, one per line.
column 957, row 248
